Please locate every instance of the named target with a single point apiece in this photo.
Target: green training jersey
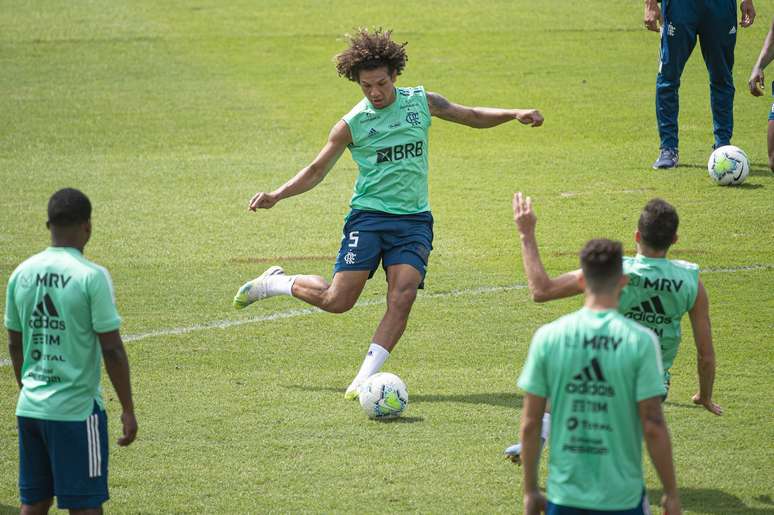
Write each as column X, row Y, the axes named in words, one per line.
column 594, row 366
column 390, row 148
column 660, row 291
column 59, row 301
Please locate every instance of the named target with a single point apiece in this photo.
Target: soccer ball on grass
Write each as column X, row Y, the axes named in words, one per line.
column 728, row 166
column 383, row 396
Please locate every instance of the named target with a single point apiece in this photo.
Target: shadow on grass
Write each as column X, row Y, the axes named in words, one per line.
column 715, row 501
column 399, row 420
column 504, row 399
column 755, row 168
column 8, row 510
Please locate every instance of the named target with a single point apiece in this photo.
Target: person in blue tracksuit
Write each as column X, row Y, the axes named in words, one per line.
column 757, row 84
column 681, row 22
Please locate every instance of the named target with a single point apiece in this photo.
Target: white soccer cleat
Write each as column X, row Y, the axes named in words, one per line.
column 256, row 289
column 353, row 391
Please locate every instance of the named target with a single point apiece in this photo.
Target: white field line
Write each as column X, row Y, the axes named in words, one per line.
column 292, row 313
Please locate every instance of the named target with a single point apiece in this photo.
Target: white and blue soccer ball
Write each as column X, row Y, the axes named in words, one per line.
column 383, row 396
column 728, row 166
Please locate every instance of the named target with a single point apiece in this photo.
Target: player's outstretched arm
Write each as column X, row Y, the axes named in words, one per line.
column 311, row 175
column 659, row 446
column 117, row 366
column 757, row 82
column 17, row 354
column 705, row 351
column 480, row 117
column 541, row 286
column 531, row 420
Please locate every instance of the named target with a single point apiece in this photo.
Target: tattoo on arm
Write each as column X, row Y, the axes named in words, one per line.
column 437, row 102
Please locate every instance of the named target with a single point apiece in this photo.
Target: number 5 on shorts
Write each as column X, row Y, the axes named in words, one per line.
column 353, row 239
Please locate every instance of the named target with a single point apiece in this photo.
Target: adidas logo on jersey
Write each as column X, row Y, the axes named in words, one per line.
column 650, row 311
column 590, row 381
column 733, row 30
column 46, row 316
column 372, row 132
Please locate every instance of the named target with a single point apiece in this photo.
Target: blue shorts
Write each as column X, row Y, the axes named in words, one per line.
column 643, row 508
column 68, row 460
column 373, row 236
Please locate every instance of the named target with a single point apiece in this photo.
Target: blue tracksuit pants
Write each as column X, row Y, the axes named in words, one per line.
column 715, row 24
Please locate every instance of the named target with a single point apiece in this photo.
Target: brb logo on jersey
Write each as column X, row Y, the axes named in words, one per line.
column 398, row 152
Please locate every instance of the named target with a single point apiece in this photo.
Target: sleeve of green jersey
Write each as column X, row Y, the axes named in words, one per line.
column 533, row 376
column 650, row 372
column 12, row 321
column 104, row 316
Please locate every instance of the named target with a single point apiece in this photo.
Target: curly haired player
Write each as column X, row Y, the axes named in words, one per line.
column 390, row 219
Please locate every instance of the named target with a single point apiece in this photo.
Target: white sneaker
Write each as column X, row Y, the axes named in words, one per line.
column 255, row 289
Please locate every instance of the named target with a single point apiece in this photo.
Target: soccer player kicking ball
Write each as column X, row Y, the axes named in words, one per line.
column 659, row 292
column 390, row 219
column 61, row 319
column 602, row 373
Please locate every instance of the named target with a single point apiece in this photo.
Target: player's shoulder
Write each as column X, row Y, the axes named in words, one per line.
column 28, row 265
column 360, row 110
column 638, row 332
column 685, row 265
column 412, row 91
column 557, row 328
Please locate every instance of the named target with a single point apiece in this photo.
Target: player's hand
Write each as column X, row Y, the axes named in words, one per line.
column 534, row 503
column 130, row 428
column 530, row 117
column 708, row 404
column 262, row 200
column 748, row 13
column 757, row 82
column 652, row 17
column 671, row 504
column 523, row 215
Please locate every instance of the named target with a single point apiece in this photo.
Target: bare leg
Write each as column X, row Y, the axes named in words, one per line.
column 402, row 281
column 39, row 508
column 338, row 296
column 771, row 145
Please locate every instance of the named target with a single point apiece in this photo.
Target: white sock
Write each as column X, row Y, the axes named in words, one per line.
column 545, row 430
column 280, row 284
column 374, row 359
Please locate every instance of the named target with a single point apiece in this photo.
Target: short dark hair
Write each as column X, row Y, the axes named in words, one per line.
column 68, row 207
column 658, row 224
column 602, row 264
column 369, row 51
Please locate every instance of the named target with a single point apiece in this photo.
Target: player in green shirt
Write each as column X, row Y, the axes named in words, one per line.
column 390, row 221
column 602, row 374
column 62, row 321
column 660, row 291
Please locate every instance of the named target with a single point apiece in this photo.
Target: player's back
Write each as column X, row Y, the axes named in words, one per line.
column 597, row 366
column 659, row 292
column 59, row 301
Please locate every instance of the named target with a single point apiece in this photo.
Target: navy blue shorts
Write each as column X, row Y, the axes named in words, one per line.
column 373, row 236
column 643, row 508
column 68, row 460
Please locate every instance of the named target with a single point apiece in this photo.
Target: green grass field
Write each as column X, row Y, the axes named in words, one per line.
column 171, row 115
